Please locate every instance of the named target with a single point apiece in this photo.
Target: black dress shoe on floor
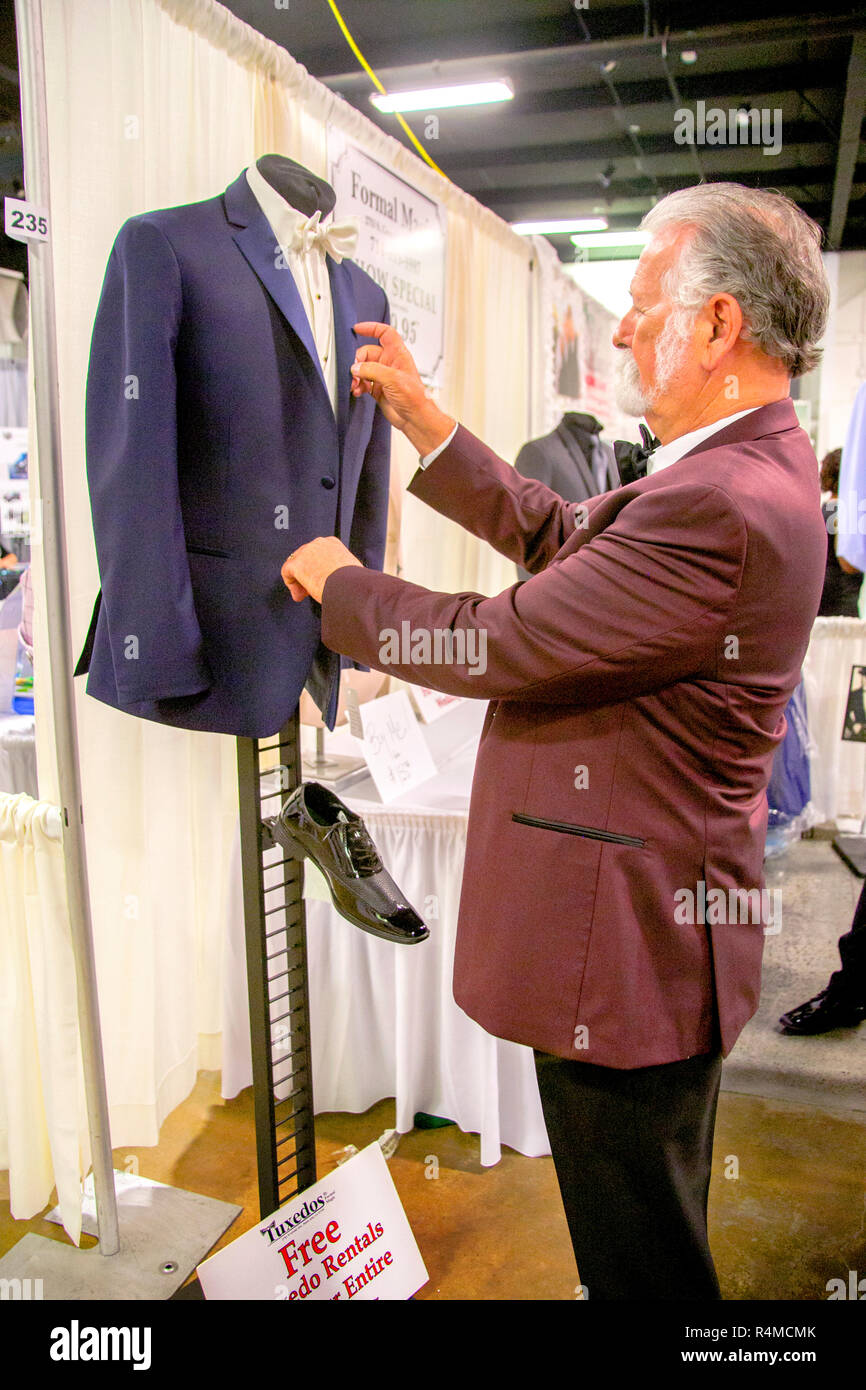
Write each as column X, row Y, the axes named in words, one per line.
column 821, row 1014
column 314, row 822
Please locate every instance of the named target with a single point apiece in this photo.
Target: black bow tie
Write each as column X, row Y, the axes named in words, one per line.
column 632, row 459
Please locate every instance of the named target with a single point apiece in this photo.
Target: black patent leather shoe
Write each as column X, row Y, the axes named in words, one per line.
column 314, row 822
column 821, row 1014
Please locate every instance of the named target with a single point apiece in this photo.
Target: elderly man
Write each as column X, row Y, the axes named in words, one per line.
column 612, row 914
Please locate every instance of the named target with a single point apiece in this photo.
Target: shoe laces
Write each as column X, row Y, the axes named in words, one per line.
column 360, row 848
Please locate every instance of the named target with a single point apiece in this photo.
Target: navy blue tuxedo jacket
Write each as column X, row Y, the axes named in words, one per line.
column 212, row 453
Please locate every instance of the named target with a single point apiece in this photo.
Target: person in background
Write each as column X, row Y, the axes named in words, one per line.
column 7, row 558
column 841, row 595
column 842, row 1004
column 25, row 627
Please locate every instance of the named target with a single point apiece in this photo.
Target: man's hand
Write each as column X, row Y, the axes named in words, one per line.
column 388, row 373
column 305, row 571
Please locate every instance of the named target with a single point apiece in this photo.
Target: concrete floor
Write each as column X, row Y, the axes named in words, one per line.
column 791, row 1218
column 817, row 895
column 787, row 1203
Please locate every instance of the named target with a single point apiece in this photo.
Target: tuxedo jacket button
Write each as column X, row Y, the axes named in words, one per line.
column 328, row 483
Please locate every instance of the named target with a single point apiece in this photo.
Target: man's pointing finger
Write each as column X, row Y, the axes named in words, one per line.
column 375, row 330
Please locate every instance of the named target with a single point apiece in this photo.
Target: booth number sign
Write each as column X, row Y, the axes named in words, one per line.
column 24, row 221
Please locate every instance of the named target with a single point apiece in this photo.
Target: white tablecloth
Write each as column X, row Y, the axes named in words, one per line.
column 18, row 754
column 383, row 1020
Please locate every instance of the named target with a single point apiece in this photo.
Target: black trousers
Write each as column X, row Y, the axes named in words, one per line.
column 849, row 984
column 632, row 1151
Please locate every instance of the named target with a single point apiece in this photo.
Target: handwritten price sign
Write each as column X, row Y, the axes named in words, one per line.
column 392, row 743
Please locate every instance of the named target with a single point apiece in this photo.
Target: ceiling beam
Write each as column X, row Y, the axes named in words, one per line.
column 748, row 32
column 849, row 139
column 580, row 152
column 553, row 195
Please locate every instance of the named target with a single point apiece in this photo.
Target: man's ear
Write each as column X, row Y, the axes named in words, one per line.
column 726, row 323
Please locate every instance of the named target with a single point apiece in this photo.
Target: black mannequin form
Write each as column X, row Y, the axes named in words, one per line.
column 301, row 188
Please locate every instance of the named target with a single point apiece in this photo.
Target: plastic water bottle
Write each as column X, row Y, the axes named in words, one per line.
column 22, row 700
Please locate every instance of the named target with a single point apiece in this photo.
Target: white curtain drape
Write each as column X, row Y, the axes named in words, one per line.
column 43, row 1131
column 13, row 393
column 153, row 103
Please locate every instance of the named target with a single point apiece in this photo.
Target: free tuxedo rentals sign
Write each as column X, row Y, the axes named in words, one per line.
column 346, row 1237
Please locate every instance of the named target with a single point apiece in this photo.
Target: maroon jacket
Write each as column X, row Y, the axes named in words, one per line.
column 655, row 646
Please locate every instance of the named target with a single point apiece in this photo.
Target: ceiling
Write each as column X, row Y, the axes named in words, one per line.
column 591, row 129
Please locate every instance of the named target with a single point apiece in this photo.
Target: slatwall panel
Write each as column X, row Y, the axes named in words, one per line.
column 268, row 769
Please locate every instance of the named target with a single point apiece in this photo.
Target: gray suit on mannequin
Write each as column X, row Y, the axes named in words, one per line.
column 572, row 461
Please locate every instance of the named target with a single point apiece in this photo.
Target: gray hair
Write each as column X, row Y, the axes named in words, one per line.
column 759, row 247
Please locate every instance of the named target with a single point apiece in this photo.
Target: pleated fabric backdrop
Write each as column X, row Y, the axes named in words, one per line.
column 43, row 1119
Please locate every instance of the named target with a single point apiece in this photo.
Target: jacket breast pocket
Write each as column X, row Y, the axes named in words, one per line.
column 587, row 832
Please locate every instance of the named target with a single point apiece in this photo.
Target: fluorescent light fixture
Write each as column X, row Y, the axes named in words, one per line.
column 570, row 224
column 437, row 98
column 588, row 240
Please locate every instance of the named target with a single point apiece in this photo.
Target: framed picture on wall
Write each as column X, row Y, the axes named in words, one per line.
column 854, row 728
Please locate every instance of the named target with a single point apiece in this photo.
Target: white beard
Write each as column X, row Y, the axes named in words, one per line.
column 630, row 395
column 670, row 353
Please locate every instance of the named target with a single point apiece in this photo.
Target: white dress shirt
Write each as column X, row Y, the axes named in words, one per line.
column 666, row 454
column 309, row 270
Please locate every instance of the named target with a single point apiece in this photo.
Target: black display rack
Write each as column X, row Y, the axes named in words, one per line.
column 275, row 926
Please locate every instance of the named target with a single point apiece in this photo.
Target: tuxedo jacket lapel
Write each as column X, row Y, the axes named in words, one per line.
column 345, row 340
column 255, row 239
column 576, row 455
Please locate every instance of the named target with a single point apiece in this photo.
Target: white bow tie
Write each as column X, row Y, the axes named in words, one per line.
column 338, row 239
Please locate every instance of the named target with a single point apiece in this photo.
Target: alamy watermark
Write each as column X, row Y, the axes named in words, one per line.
column 438, row 646
column 21, row 1290
column 846, row 516
column 729, row 907
column 714, row 126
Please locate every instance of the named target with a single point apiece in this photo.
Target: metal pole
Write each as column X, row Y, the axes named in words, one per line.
column 43, row 345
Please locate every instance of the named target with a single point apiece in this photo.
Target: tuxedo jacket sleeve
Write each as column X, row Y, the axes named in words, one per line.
column 641, row 604
column 132, row 470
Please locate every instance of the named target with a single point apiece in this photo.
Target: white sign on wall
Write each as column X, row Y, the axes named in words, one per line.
column 401, row 245
column 346, row 1238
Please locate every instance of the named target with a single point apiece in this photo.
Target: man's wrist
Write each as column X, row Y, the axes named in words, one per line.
column 425, row 460
column 429, row 428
